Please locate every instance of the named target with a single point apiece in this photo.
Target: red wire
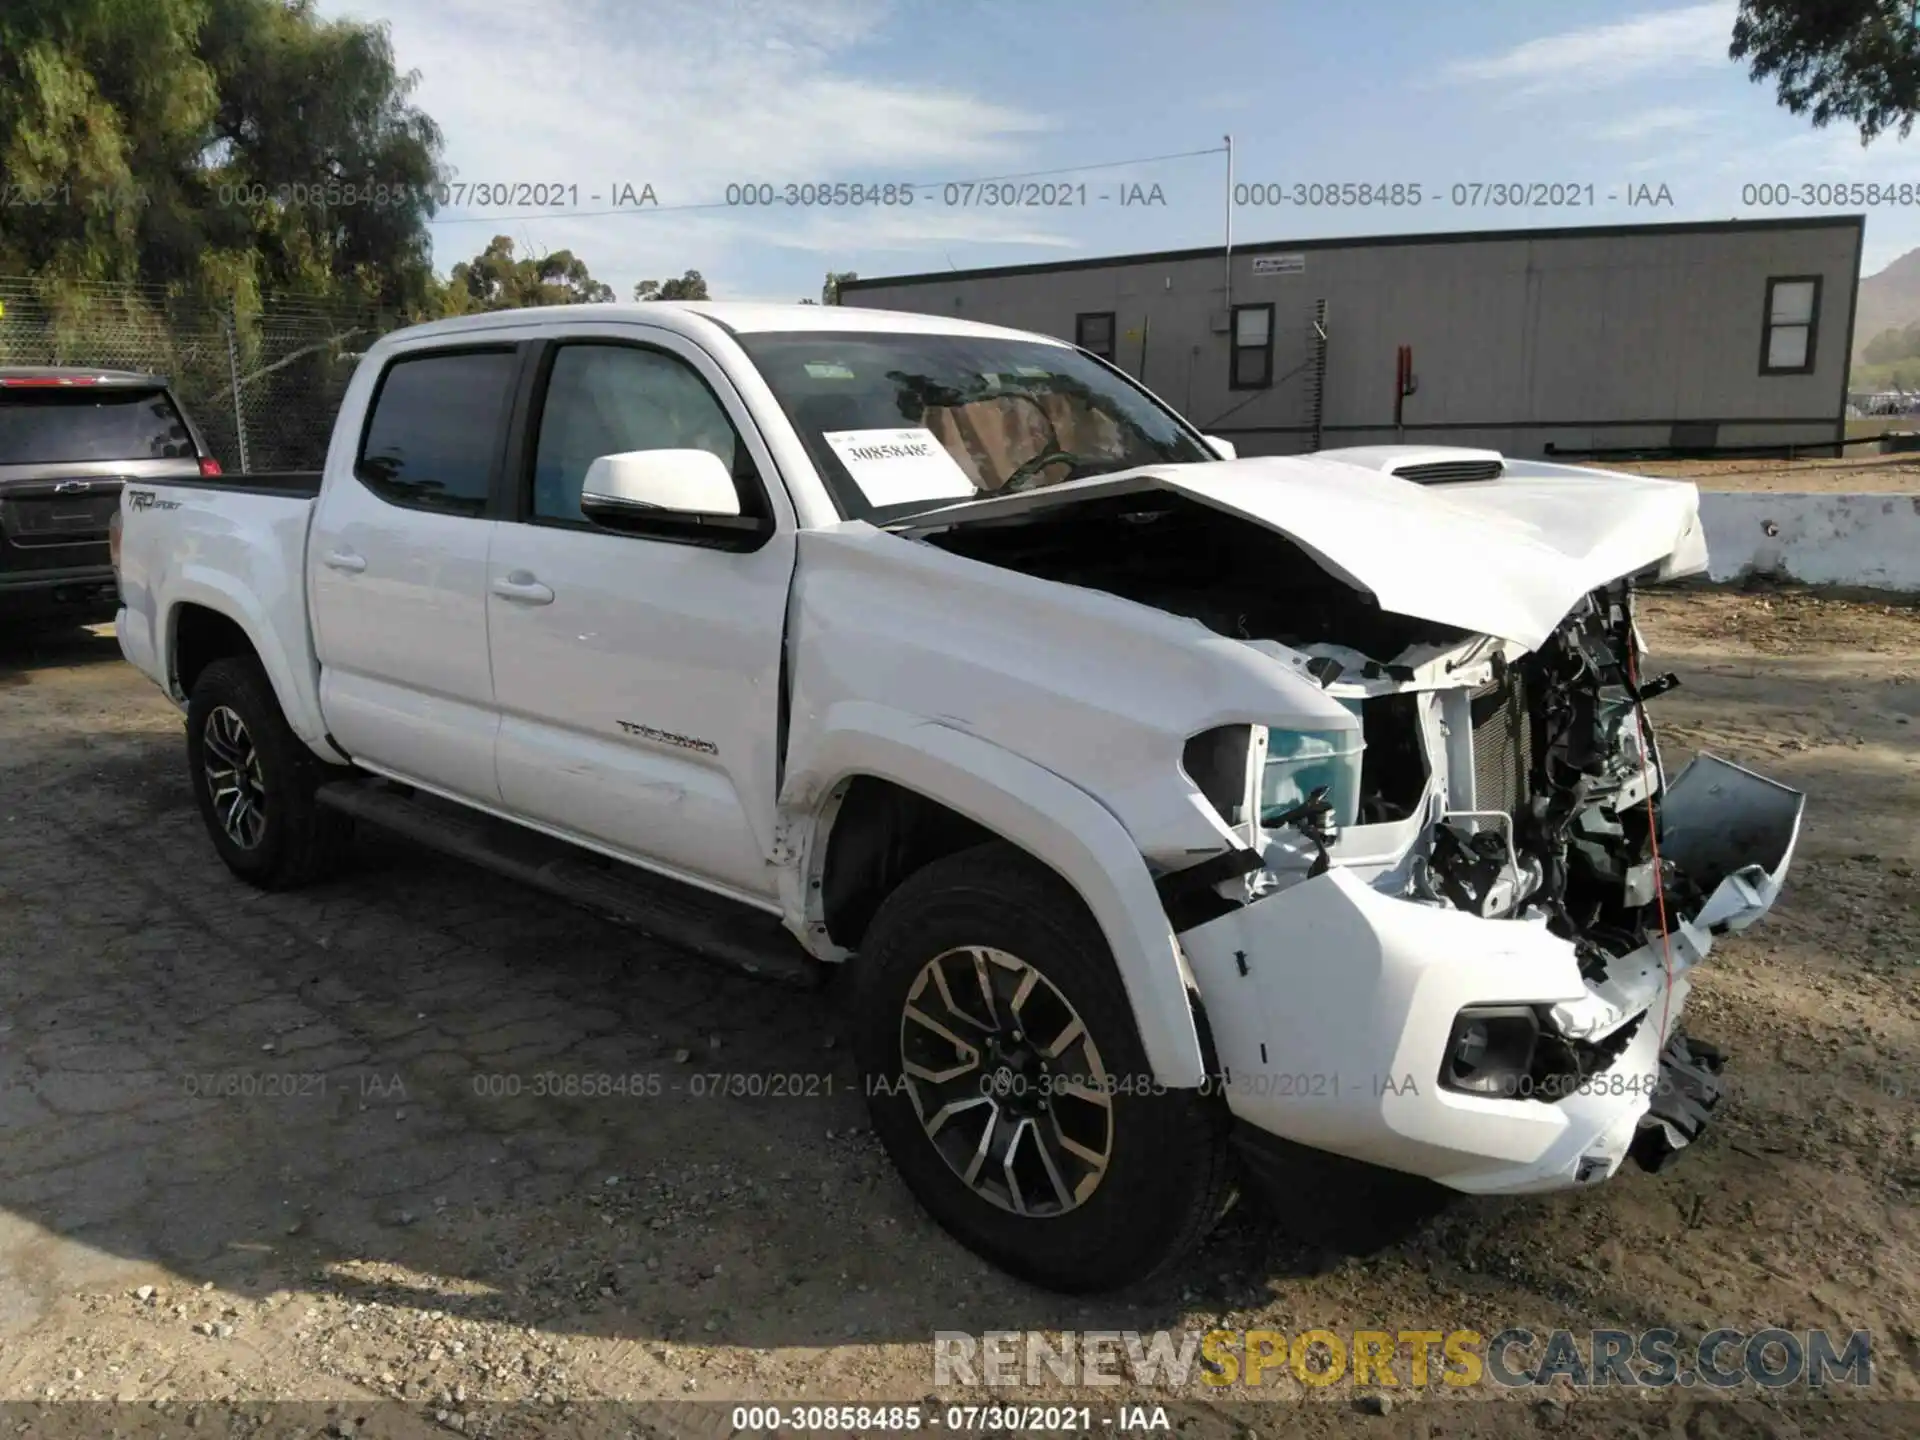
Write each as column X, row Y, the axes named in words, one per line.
column 1653, row 838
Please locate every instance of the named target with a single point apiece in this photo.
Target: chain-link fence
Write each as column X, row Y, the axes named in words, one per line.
column 262, row 384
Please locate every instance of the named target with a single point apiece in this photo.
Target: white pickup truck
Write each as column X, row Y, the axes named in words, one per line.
column 1169, row 810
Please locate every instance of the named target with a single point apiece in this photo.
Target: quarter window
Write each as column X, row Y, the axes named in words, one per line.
column 612, row 399
column 434, row 435
column 1792, row 324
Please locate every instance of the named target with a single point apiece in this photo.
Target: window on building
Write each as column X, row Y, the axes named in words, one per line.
column 1792, row 324
column 1094, row 332
column 1252, row 367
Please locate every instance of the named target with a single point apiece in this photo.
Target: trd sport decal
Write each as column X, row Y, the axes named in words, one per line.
column 667, row 737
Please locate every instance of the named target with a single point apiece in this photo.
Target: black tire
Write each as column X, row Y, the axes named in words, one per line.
column 299, row 841
column 1168, row 1176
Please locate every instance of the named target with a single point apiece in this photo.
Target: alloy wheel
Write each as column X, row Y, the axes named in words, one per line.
column 232, row 765
column 1007, row 1081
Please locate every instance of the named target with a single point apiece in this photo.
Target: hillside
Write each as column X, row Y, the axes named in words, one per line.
column 1889, row 300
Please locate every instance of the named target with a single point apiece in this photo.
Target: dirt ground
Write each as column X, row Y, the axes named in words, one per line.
column 298, row 1148
column 1899, row 474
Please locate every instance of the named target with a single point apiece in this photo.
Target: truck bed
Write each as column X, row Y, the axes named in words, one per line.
column 304, row 484
column 229, row 545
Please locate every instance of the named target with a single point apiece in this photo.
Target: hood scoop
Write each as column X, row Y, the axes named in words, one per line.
column 1423, row 464
column 1452, row 472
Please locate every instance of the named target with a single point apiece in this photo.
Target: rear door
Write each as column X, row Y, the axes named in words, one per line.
column 397, row 570
column 65, row 449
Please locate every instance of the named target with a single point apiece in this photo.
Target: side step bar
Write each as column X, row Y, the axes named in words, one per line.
column 709, row 925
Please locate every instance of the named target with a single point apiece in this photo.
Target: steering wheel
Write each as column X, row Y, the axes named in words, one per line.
column 1021, row 478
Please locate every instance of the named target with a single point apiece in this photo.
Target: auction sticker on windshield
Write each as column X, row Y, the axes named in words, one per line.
column 895, row 467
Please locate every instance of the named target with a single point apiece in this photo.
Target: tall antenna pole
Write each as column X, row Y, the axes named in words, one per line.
column 1229, row 252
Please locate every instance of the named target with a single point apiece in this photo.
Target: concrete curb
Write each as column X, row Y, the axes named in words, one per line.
column 1869, row 541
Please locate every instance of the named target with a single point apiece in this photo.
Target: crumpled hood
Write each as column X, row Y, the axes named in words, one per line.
column 1508, row 557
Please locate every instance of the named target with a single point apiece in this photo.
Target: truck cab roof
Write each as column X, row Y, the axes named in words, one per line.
column 692, row 317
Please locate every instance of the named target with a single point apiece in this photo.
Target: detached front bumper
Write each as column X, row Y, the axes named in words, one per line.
column 1332, row 1007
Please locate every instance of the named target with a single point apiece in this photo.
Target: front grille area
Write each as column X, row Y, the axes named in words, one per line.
column 1452, row 472
column 1502, row 744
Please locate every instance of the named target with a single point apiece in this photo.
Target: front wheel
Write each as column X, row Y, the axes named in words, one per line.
column 1006, row 1078
column 255, row 781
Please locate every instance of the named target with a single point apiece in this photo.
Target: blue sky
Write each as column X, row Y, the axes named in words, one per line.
column 690, row 96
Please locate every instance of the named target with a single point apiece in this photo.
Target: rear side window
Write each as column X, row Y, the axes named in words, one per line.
column 47, row 426
column 433, row 438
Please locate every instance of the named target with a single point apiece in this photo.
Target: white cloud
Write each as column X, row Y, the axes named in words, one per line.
column 1657, row 43
column 689, row 96
column 1659, row 120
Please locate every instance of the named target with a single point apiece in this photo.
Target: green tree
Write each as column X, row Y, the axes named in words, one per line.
column 1856, row 61
column 219, row 146
column 830, row 290
column 690, row 286
column 318, row 115
column 498, row 279
column 101, row 102
column 1891, row 345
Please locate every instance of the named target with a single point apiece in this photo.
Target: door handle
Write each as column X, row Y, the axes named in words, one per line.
column 520, row 586
column 345, row 560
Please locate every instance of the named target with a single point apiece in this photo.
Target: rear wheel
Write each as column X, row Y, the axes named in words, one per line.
column 1007, row 1080
column 255, row 781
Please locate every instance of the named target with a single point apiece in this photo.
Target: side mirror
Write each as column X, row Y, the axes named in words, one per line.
column 1223, row 448
column 671, row 494
column 685, row 482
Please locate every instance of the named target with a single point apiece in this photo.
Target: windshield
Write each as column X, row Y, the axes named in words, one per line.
column 898, row 423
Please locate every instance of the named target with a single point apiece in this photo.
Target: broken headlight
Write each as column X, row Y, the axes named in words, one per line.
column 1300, row 762
column 1490, row 1050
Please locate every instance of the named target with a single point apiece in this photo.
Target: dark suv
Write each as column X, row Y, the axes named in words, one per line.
column 68, row 439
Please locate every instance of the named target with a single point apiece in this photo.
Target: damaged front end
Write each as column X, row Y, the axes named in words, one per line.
column 1455, row 934
column 1467, row 956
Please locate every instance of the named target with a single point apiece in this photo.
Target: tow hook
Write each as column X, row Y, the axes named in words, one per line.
column 1689, row 1089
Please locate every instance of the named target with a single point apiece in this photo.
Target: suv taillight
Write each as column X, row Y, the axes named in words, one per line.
column 209, row 465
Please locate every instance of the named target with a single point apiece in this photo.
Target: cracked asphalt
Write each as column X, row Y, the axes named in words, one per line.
column 418, row 1138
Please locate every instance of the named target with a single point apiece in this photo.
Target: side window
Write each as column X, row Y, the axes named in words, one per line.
column 433, row 438
column 611, row 399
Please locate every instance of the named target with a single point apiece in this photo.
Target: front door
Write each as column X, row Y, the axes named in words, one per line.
column 397, row 566
column 638, row 679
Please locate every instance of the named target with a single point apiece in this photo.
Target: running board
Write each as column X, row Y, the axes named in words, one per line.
column 711, row 926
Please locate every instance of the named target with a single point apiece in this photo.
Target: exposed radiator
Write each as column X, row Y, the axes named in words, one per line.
column 1502, row 745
